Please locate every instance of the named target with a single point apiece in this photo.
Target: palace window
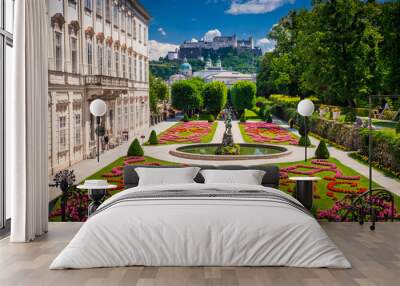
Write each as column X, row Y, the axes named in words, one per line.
column 58, row 50
column 78, row 140
column 129, row 25
column 132, row 115
column 123, row 66
column 116, row 64
column 100, row 58
column 135, row 69
column 134, row 29
column 99, row 8
column 109, row 64
column 140, row 33
column 108, row 11
column 74, row 55
column 115, row 15
column 130, row 67
column 145, row 36
column 126, row 116
column 140, row 70
column 89, row 53
column 62, row 135
column 123, row 21
column 88, row 5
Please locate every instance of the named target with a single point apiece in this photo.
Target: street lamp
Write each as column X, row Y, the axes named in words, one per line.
column 305, row 108
column 98, row 108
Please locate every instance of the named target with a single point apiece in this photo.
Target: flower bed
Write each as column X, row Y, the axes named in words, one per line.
column 188, row 132
column 78, row 200
column 262, row 132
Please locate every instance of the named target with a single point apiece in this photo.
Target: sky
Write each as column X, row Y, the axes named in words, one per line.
column 174, row 21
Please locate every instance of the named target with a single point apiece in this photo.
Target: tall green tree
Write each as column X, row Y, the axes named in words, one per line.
column 243, row 95
column 159, row 92
column 214, row 97
column 185, row 96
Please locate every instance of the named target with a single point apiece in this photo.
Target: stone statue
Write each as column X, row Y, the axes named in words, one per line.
column 227, row 140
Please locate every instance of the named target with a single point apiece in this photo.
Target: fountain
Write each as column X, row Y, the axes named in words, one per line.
column 228, row 150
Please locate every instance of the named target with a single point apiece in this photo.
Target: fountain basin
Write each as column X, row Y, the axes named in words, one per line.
column 248, row 152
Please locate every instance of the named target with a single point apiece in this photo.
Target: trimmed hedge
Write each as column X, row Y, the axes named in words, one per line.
column 135, row 149
column 322, row 151
column 153, row 138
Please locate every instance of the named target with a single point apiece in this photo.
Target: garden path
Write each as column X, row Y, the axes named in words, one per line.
column 237, row 136
column 343, row 156
column 85, row 168
column 219, row 133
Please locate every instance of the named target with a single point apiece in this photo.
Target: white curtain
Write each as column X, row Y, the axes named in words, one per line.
column 26, row 123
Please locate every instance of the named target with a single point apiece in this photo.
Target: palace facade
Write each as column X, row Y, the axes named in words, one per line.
column 98, row 49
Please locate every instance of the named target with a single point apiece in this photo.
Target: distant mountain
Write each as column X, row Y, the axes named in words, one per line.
column 244, row 61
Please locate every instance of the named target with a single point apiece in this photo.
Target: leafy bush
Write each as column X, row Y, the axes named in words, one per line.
column 153, row 138
column 304, row 140
column 211, row 118
column 350, row 116
column 322, row 151
column 185, row 118
column 214, row 97
column 268, row 118
column 242, row 118
column 135, row 149
column 398, row 127
column 243, row 95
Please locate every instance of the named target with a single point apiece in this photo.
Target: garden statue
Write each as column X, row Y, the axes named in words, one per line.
column 228, row 147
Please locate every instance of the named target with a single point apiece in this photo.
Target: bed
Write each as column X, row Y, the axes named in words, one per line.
column 201, row 224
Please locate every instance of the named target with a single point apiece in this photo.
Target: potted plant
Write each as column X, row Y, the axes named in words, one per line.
column 336, row 113
column 323, row 110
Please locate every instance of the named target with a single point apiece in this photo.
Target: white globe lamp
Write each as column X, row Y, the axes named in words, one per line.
column 98, row 108
column 305, row 108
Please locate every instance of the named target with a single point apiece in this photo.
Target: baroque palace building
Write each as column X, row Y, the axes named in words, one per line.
column 98, row 49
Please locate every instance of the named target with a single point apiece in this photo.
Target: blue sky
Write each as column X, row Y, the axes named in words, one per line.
column 177, row 20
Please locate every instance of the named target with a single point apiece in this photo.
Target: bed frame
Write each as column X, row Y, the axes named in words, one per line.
column 270, row 179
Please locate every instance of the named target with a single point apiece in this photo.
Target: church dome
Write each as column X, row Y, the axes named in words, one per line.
column 185, row 66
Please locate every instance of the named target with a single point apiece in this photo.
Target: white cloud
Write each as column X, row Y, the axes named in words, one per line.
column 162, row 31
column 266, row 44
column 210, row 35
column 158, row 50
column 255, row 6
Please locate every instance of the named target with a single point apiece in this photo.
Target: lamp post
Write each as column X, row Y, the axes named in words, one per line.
column 98, row 108
column 305, row 108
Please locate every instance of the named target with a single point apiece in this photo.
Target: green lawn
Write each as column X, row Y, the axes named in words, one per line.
column 384, row 124
column 251, row 115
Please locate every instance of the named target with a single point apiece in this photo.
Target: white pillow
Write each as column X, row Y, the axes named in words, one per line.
column 166, row 176
column 247, row 177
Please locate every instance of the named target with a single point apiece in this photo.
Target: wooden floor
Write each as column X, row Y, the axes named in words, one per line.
column 375, row 257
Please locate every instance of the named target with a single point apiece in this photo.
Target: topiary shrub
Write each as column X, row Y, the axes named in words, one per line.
column 228, row 150
column 291, row 123
column 153, row 138
column 304, row 140
column 350, row 117
column 185, row 118
column 135, row 149
column 322, row 151
column 211, row 118
column 243, row 118
column 268, row 118
column 398, row 127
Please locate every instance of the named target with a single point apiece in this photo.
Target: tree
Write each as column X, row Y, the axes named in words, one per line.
column 135, row 149
column 159, row 92
column 243, row 95
column 322, row 151
column 185, row 96
column 153, row 140
column 214, row 97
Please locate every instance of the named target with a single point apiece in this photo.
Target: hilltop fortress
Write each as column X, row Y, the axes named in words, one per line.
column 198, row 49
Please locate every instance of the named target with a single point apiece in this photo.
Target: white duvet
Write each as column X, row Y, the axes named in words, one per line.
column 202, row 232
